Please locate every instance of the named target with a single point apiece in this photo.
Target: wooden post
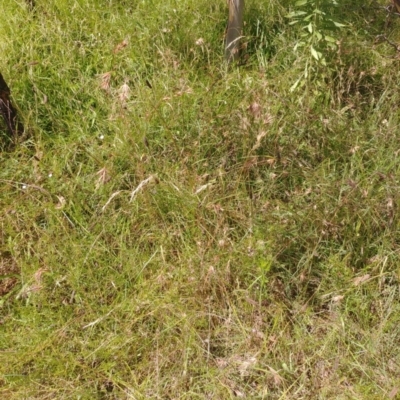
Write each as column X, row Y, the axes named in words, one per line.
column 234, row 30
column 8, row 111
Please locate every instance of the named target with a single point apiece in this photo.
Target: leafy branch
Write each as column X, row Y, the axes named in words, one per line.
column 319, row 32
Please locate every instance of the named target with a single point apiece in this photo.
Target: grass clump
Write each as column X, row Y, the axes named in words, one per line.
column 173, row 228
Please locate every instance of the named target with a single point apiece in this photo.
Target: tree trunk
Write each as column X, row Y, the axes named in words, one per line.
column 234, row 30
column 8, row 111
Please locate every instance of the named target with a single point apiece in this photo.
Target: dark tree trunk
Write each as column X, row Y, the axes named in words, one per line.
column 7, row 110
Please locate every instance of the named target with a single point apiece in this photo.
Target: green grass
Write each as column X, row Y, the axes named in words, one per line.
column 258, row 257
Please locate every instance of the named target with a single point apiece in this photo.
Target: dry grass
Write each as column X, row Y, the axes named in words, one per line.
column 175, row 229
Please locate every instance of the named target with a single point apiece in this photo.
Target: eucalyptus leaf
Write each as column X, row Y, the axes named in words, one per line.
column 330, row 39
column 301, row 3
column 295, row 14
column 315, row 53
column 338, row 24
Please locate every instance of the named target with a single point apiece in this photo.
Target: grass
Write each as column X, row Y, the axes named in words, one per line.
column 174, row 228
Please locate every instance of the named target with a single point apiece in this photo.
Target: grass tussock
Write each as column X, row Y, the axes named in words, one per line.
column 174, row 228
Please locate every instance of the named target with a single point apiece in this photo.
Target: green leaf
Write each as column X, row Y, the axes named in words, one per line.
column 294, row 86
column 330, row 39
column 310, row 27
column 300, row 3
column 295, row 14
column 338, row 24
column 315, row 53
column 297, row 45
